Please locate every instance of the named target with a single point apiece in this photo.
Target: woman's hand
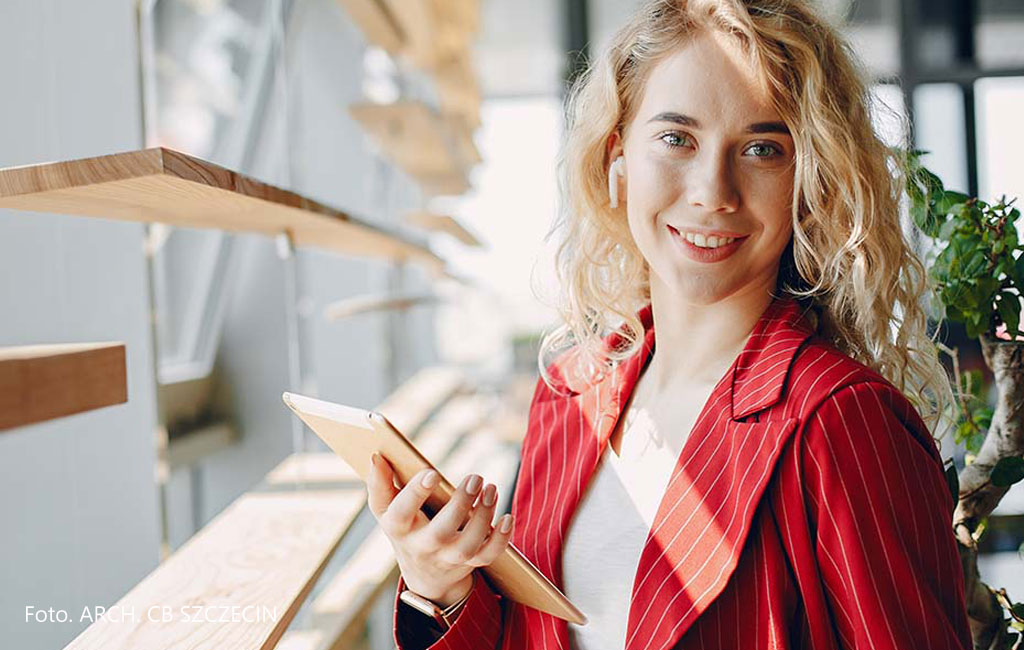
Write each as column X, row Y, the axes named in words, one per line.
column 435, row 557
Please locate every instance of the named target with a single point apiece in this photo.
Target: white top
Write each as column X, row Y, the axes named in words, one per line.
column 608, row 530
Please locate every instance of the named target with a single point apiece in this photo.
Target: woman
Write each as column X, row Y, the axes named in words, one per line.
column 767, row 479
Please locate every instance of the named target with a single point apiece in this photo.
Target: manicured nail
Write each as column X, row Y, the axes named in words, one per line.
column 506, row 524
column 473, row 486
column 429, row 479
column 373, row 459
column 489, row 495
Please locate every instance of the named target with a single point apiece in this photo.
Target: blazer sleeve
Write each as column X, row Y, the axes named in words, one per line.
column 478, row 625
column 881, row 517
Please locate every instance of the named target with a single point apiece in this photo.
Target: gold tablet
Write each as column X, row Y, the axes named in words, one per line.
column 355, row 434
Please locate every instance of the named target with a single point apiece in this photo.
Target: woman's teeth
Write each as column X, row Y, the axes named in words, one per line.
column 698, row 239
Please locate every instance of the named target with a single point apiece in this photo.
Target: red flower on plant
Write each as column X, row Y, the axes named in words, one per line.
column 1001, row 333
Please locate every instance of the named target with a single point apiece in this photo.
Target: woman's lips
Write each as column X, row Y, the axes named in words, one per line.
column 705, row 255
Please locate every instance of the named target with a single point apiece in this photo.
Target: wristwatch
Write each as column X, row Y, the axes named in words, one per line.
column 442, row 616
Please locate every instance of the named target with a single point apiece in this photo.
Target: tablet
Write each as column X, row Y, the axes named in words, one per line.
column 355, row 434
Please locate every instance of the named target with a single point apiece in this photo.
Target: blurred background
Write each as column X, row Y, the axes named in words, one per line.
column 435, row 122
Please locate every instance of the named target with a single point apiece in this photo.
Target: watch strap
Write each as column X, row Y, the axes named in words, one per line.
column 444, row 617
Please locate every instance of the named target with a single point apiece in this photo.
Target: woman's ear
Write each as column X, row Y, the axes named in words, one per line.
column 613, row 148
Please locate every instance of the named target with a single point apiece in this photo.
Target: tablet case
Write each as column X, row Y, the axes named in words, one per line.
column 355, row 434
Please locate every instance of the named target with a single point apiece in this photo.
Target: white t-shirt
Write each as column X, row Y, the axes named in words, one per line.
column 607, row 532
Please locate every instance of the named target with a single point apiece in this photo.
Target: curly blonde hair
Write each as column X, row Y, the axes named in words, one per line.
column 866, row 285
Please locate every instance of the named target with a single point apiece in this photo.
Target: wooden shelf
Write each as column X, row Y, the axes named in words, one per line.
column 416, row 138
column 443, row 223
column 43, row 382
column 458, row 89
column 373, row 303
column 434, row 30
column 167, row 186
column 377, row 23
column 264, row 552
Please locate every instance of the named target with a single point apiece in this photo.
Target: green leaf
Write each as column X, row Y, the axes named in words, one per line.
column 1007, row 471
column 987, row 288
column 1009, row 312
column 953, row 481
column 945, row 203
column 931, row 182
column 947, row 230
column 1018, row 277
column 983, row 417
column 976, row 263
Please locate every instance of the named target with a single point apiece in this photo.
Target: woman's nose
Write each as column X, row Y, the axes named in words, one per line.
column 710, row 184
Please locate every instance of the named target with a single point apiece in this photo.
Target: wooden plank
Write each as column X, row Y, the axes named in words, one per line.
column 376, row 22
column 443, row 223
column 458, row 89
column 464, row 141
column 356, row 305
column 417, row 139
column 434, row 29
column 263, row 553
column 42, row 382
column 163, row 185
column 316, row 467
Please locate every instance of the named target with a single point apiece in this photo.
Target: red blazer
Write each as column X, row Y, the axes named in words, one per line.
column 808, row 509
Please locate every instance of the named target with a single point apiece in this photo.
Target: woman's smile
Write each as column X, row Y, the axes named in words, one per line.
column 712, row 250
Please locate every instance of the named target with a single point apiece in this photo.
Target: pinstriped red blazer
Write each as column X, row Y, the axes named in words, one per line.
column 808, row 509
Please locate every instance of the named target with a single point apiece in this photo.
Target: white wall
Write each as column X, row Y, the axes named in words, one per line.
column 77, row 496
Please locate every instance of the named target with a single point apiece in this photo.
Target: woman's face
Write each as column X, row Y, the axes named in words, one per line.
column 705, row 155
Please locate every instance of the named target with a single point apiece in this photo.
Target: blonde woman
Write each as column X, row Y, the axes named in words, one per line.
column 746, row 460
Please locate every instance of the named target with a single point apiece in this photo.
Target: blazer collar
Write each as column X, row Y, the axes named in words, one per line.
column 705, row 514
column 757, row 376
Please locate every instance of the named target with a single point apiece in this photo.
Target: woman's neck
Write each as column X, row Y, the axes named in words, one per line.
column 696, row 343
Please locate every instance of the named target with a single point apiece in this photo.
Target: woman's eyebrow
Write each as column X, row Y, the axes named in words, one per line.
column 686, row 120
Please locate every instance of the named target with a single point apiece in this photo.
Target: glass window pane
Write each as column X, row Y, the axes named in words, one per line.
column 871, row 28
column 939, row 128
column 998, row 105
column 999, row 33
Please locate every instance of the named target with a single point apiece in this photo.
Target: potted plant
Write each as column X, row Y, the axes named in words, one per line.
column 978, row 271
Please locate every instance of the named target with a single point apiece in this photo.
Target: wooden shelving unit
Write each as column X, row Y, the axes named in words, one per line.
column 43, row 382
column 443, row 223
column 163, row 185
column 417, row 139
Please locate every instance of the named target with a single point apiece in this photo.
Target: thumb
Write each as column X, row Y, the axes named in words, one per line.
column 380, row 486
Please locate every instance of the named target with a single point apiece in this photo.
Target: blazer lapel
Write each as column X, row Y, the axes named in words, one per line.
column 705, row 515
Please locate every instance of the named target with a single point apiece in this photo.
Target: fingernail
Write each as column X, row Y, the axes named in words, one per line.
column 489, row 494
column 429, row 479
column 473, row 486
column 373, row 459
column 506, row 524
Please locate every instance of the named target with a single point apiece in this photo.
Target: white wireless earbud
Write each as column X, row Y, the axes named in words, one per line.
column 614, row 170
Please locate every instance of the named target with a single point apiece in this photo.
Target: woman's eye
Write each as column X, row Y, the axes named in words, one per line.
column 764, row 150
column 674, row 140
